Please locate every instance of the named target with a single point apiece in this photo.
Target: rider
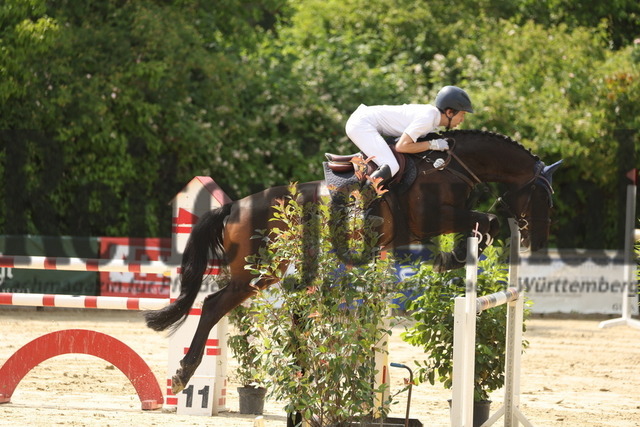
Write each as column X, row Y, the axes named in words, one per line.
column 367, row 124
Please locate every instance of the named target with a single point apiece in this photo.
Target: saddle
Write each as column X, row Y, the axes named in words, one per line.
column 339, row 171
column 341, row 163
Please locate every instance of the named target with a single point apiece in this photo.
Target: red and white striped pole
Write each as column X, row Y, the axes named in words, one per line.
column 98, row 265
column 81, row 264
column 82, row 301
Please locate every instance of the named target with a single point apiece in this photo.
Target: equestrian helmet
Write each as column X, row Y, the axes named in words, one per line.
column 455, row 98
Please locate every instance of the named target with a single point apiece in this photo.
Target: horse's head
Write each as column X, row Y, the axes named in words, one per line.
column 531, row 205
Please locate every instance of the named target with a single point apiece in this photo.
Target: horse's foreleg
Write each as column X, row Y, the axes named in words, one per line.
column 490, row 231
column 215, row 306
column 482, row 225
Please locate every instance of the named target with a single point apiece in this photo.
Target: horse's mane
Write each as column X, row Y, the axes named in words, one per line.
column 478, row 132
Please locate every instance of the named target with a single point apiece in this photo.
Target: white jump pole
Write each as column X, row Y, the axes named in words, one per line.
column 629, row 261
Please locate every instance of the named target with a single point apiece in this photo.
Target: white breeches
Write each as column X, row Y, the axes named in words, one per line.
column 364, row 134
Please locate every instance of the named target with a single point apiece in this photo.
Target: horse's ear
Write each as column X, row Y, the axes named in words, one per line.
column 548, row 171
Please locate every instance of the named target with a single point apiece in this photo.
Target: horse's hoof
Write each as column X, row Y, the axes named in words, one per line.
column 176, row 384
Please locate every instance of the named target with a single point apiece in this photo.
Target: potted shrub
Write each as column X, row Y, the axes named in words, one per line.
column 322, row 324
column 432, row 330
column 248, row 352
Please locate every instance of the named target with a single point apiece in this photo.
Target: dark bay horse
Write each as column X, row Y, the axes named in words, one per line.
column 434, row 204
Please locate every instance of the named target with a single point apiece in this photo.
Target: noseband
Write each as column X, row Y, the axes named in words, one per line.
column 537, row 179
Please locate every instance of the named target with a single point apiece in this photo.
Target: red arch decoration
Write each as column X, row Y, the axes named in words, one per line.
column 84, row 342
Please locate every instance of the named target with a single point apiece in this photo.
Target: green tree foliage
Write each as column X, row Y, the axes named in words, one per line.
column 124, row 102
column 620, row 17
column 126, row 98
column 129, row 100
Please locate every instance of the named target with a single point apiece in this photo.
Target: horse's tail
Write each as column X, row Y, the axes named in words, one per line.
column 206, row 237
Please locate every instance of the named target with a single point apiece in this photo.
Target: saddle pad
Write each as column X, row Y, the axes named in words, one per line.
column 409, row 175
column 336, row 181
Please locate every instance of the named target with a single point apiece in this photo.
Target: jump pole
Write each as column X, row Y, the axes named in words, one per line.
column 630, row 236
column 84, row 264
column 465, row 311
column 82, row 301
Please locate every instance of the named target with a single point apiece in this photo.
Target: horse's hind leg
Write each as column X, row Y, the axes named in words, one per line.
column 215, row 306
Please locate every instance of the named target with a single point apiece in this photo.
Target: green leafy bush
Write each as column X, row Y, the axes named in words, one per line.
column 322, row 325
column 246, row 348
column 432, row 312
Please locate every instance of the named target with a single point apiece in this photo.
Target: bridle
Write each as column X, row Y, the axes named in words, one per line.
column 538, row 178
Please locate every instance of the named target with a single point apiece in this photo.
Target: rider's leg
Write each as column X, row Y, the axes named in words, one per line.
column 364, row 134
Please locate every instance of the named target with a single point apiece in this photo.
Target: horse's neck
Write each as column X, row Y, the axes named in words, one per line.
column 493, row 158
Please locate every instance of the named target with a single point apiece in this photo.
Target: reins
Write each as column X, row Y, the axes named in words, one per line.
column 443, row 167
column 473, row 175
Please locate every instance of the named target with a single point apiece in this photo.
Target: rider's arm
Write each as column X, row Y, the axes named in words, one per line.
column 407, row 145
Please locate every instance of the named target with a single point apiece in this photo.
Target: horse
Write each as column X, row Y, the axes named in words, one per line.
column 433, row 204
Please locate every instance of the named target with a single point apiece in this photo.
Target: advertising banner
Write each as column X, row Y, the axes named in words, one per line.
column 129, row 284
column 14, row 280
column 566, row 281
column 578, row 281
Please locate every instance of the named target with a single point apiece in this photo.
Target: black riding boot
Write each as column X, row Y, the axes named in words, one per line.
column 383, row 172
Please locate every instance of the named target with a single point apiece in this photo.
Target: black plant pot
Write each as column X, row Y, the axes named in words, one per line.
column 481, row 411
column 251, row 400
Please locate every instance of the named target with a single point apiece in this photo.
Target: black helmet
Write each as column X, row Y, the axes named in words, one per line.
column 455, row 98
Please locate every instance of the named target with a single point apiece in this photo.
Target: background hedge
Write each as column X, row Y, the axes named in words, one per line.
column 108, row 107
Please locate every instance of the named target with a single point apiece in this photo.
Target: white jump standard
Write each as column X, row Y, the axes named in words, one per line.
column 464, row 335
column 631, row 235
